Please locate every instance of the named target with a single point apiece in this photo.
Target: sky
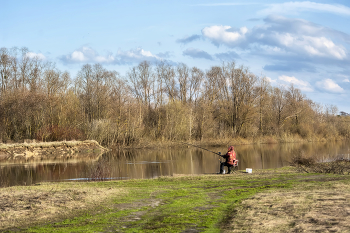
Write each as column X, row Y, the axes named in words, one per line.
column 304, row 43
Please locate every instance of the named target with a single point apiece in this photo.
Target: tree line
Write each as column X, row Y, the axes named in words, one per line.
column 153, row 102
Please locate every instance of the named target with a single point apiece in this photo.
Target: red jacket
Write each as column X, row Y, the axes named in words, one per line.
column 230, row 157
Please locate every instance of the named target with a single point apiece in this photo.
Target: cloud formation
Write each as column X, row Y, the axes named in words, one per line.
column 136, row 55
column 88, row 55
column 281, row 36
column 219, row 34
column 197, row 53
column 189, row 39
column 229, row 56
column 296, row 7
column 302, row 85
column 330, row 86
column 290, row 66
column 270, row 80
column 288, row 44
column 39, row 56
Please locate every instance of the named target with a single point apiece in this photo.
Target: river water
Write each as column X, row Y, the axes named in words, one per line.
column 152, row 163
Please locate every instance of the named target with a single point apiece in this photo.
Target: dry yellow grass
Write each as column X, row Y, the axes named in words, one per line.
column 320, row 209
column 49, row 201
column 48, row 144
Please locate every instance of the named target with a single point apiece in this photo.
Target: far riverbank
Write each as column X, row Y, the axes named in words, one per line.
column 38, row 151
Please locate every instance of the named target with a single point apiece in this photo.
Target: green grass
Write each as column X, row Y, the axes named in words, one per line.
column 175, row 204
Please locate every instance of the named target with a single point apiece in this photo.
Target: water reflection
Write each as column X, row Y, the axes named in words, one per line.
column 145, row 164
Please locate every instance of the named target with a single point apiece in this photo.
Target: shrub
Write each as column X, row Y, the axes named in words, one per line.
column 59, row 133
column 337, row 166
column 101, row 170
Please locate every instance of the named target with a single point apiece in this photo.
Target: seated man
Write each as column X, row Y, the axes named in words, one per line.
column 230, row 161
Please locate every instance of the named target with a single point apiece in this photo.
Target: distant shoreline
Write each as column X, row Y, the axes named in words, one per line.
column 35, row 151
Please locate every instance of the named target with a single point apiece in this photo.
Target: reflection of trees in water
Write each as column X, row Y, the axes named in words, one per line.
column 34, row 173
column 5, row 177
column 149, row 163
column 278, row 155
column 16, row 175
column 101, row 169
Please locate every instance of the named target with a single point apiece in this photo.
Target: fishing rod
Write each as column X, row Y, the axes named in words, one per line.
column 202, row 148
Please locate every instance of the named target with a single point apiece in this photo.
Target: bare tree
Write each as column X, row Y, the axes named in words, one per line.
column 279, row 103
column 242, row 84
column 295, row 103
column 195, row 84
column 5, row 64
column 183, row 74
column 170, row 83
column 142, row 79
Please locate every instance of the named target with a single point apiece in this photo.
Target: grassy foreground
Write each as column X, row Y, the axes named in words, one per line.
column 279, row 200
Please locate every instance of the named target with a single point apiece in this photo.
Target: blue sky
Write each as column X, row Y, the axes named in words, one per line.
column 306, row 43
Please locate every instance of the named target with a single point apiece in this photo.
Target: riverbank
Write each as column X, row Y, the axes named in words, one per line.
column 38, row 151
column 277, row 200
column 285, row 138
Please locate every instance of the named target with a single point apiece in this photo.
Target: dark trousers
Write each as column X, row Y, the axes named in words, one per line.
column 222, row 167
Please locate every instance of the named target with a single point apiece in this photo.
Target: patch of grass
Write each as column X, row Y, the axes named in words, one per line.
column 195, row 203
column 318, row 206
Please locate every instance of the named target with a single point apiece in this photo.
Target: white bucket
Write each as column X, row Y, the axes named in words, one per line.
column 249, row 170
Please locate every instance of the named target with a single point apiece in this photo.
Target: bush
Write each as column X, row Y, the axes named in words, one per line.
column 59, row 133
column 101, row 170
column 300, row 160
column 337, row 166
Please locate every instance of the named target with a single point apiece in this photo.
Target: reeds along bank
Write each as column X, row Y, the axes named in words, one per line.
column 154, row 102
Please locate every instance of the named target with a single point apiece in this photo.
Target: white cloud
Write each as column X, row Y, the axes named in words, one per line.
column 296, row 7
column 302, row 85
column 84, row 54
column 270, row 80
column 88, row 55
column 137, row 55
column 219, row 34
column 329, row 85
column 285, row 38
column 106, row 59
column 78, row 56
column 39, row 56
column 346, row 80
column 312, row 46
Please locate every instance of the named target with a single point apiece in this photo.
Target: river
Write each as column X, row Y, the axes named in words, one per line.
column 152, row 163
